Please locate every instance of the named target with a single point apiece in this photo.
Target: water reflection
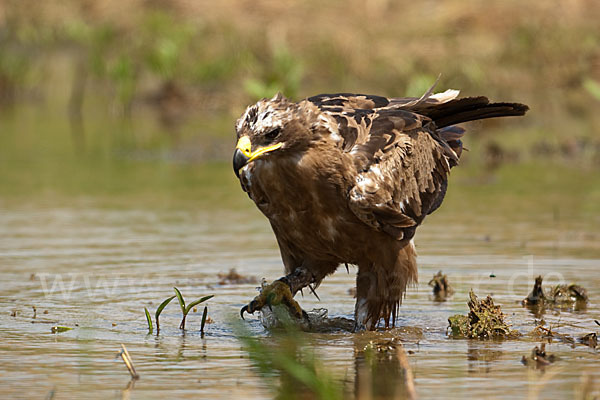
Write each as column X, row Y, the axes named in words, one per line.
column 126, row 392
column 481, row 356
column 382, row 371
column 287, row 358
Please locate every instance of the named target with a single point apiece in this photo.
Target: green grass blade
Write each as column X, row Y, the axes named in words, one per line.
column 181, row 301
column 162, row 307
column 196, row 302
column 149, row 319
column 204, row 315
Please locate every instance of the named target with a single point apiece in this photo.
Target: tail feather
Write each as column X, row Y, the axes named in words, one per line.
column 468, row 109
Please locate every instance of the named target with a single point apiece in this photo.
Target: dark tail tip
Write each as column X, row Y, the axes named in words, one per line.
column 474, row 108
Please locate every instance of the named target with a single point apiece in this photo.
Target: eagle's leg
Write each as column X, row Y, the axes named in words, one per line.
column 282, row 291
column 361, row 309
column 380, row 288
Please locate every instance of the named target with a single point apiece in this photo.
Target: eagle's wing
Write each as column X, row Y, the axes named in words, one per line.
column 401, row 161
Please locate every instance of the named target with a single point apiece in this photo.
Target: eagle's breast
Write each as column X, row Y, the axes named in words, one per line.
column 304, row 198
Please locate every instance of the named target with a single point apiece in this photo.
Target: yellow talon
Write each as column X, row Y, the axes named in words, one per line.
column 274, row 294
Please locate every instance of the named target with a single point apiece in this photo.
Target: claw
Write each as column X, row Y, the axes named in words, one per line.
column 243, row 310
column 249, row 308
column 274, row 294
column 312, row 289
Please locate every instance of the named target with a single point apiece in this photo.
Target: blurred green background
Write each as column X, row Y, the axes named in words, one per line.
column 139, row 98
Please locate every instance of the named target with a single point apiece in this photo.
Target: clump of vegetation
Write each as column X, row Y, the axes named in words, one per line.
column 485, row 320
column 539, row 359
column 185, row 310
column 233, row 277
column 561, row 296
column 441, row 287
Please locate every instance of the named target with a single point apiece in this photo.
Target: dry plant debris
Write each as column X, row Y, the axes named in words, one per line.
column 562, row 296
column 591, row 340
column 539, row 359
column 550, row 334
column 485, row 320
column 441, row 287
column 235, row 278
column 124, row 354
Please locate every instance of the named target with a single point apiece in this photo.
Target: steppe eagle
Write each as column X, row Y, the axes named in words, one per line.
column 346, row 179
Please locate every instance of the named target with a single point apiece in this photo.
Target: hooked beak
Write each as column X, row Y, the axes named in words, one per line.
column 239, row 160
column 243, row 153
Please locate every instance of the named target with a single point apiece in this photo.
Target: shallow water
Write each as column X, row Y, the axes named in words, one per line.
column 95, row 267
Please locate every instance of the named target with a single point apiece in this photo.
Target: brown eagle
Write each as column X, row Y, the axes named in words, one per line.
column 346, row 179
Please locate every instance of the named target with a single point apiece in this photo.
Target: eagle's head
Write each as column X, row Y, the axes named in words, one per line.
column 271, row 128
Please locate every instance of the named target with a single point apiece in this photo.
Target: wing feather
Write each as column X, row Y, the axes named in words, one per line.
column 401, row 181
column 400, row 160
column 402, row 150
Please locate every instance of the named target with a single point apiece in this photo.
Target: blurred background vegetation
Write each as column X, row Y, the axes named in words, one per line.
column 110, row 96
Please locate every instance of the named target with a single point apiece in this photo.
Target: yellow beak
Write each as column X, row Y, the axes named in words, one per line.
column 245, row 147
column 243, row 153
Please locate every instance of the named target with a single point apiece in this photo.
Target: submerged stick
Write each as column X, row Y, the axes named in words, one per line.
column 128, row 362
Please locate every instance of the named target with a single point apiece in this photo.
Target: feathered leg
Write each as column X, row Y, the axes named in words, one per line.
column 380, row 288
column 361, row 309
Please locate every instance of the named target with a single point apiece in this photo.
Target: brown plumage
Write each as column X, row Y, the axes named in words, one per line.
column 347, row 178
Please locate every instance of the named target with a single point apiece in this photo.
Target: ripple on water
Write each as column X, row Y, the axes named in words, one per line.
column 95, row 270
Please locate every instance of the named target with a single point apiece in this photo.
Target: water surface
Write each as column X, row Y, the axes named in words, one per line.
column 94, row 265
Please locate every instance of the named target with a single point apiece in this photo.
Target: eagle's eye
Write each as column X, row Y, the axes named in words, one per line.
column 273, row 133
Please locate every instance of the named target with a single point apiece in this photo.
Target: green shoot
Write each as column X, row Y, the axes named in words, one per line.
column 159, row 310
column 185, row 310
column 196, row 302
column 204, row 314
column 181, row 300
column 149, row 319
